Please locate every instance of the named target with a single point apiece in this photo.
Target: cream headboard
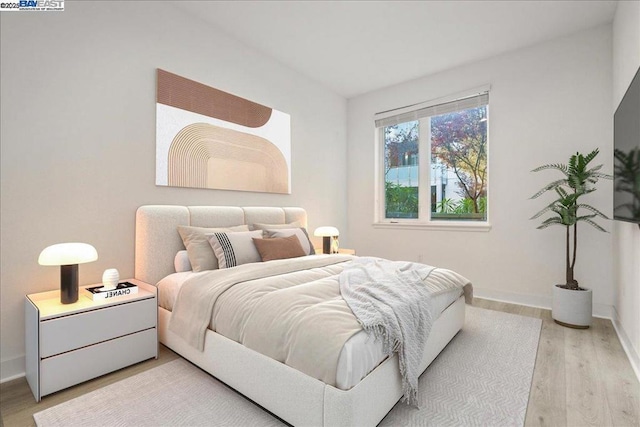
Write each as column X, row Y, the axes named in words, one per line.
column 158, row 241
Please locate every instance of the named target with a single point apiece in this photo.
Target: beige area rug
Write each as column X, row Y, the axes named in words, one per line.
column 482, row 378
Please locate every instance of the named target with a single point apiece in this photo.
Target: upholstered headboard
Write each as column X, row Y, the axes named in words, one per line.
column 158, row 241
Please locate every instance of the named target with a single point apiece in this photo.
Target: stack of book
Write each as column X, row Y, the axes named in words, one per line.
column 97, row 293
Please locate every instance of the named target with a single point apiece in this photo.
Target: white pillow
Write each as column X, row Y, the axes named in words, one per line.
column 232, row 249
column 181, row 262
column 300, row 233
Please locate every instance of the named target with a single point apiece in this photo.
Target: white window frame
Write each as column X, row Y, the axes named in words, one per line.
column 424, row 220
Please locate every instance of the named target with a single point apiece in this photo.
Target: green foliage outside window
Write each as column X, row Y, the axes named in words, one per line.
column 401, row 202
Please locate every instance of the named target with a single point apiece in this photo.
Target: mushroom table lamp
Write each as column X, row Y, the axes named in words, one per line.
column 327, row 233
column 68, row 256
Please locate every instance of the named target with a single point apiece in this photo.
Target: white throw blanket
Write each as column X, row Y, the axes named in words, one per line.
column 394, row 302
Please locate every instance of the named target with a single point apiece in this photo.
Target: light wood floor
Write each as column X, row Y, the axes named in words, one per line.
column 581, row 378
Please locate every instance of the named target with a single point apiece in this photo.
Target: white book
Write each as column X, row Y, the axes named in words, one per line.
column 98, row 293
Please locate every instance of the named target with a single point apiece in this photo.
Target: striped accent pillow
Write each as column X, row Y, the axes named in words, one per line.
column 199, row 251
column 232, row 249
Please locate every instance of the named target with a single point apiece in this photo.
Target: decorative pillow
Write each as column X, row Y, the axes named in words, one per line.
column 301, row 233
column 199, row 250
column 181, row 262
column 234, row 249
column 259, row 226
column 279, row 248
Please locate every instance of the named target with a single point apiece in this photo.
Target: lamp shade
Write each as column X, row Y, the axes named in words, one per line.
column 67, row 254
column 326, row 231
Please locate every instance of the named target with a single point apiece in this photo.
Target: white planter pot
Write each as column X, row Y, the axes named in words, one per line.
column 572, row 308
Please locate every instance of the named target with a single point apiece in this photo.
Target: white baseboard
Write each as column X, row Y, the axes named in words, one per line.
column 536, row 301
column 12, row 369
column 632, row 354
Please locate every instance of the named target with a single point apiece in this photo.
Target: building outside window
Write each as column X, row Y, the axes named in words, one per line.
column 434, row 162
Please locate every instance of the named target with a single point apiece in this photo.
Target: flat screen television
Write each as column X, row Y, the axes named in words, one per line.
column 626, row 142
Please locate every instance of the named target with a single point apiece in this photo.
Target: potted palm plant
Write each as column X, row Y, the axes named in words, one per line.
column 572, row 304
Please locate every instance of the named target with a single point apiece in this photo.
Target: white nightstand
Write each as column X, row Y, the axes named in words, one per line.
column 70, row 343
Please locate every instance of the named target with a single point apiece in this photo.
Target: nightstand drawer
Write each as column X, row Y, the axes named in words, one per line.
column 72, row 332
column 71, row 368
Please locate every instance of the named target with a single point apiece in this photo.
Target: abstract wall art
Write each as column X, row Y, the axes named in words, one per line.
column 207, row 138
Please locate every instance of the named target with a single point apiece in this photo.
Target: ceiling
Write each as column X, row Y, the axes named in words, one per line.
column 353, row 47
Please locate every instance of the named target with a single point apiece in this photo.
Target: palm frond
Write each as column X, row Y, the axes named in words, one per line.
column 561, row 192
column 592, row 209
column 558, row 166
column 602, row 175
column 551, row 186
column 550, row 221
column 592, row 155
column 544, row 210
column 593, row 224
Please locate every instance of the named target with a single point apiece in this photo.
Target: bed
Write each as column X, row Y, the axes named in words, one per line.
column 292, row 395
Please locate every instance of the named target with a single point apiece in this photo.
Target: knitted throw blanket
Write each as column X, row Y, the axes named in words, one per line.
column 393, row 302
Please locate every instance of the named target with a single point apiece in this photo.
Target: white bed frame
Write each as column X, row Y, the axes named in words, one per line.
column 291, row 395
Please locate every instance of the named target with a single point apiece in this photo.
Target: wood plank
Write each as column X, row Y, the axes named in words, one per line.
column 586, row 395
column 622, row 389
column 547, row 401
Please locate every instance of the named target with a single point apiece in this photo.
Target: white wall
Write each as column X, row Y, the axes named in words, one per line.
column 626, row 236
column 78, row 136
column 546, row 102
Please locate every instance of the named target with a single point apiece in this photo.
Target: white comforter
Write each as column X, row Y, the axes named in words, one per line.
column 290, row 310
column 360, row 355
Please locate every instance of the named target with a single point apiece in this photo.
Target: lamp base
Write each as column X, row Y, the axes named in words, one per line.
column 68, row 283
column 326, row 245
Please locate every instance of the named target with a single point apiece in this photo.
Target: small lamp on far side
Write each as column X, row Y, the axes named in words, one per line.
column 328, row 234
column 68, row 256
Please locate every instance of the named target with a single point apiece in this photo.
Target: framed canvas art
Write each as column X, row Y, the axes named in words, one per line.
column 207, row 138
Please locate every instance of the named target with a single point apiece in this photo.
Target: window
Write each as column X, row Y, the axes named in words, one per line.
column 433, row 163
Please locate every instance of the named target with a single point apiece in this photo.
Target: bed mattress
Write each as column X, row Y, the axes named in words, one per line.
column 360, row 354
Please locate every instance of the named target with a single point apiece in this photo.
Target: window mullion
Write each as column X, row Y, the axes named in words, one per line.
column 424, row 160
column 381, row 200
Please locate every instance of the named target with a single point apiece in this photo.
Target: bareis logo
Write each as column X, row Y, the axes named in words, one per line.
column 32, row 5
column 40, row 3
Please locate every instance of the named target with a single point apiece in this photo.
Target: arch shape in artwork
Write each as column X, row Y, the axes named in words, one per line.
column 202, row 155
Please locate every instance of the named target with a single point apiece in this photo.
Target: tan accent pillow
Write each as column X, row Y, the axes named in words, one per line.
column 199, row 250
column 260, row 226
column 279, row 248
column 306, row 244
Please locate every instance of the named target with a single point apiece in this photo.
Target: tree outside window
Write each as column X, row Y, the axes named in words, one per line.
column 459, row 142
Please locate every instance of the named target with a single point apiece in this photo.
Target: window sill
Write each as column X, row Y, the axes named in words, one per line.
column 435, row 225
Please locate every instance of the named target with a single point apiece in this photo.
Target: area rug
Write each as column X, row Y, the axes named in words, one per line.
column 482, row 378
